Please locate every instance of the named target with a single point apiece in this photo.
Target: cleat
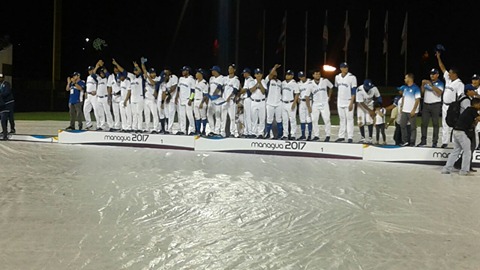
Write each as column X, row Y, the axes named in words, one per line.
column 444, row 145
column 316, row 139
column 340, row 140
column 327, row 139
column 350, row 140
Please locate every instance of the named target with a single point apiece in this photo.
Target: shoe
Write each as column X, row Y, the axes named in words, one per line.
column 464, row 173
column 327, row 139
column 153, row 132
column 362, row 140
column 211, row 134
column 69, row 128
column 434, row 145
column 422, row 144
column 301, row 138
column 12, row 131
column 316, row 139
column 473, row 170
column 88, row 128
column 284, row 138
column 445, row 171
column 405, row 144
column 180, row 133
column 369, row 141
column 340, row 140
column 166, row 132
column 260, row 137
column 191, row 134
column 444, row 145
column 98, row 129
column 4, row 138
column 309, row 138
column 350, row 141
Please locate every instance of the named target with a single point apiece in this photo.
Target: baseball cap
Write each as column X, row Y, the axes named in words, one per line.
column 233, row 66
column 121, row 74
column 90, row 68
column 301, row 74
column 469, row 87
column 152, row 70
column 258, row 71
column 289, row 72
column 216, row 68
column 186, row 68
column 476, row 77
column 434, row 71
column 344, row 65
column 73, row 74
column 246, row 70
column 367, row 84
column 201, row 71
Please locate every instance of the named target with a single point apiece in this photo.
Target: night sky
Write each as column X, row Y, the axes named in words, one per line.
column 146, row 28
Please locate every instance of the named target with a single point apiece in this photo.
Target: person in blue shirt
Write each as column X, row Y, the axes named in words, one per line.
column 6, row 107
column 409, row 109
column 75, row 86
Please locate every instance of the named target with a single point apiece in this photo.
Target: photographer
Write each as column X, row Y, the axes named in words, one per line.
column 6, row 107
column 75, row 85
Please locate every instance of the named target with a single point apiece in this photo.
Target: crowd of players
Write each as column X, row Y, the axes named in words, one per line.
column 205, row 102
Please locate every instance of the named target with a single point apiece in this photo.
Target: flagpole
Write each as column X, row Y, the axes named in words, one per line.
column 306, row 39
column 237, row 32
column 263, row 40
column 285, row 47
column 367, row 44
column 406, row 42
column 385, row 47
column 347, row 36
column 325, row 38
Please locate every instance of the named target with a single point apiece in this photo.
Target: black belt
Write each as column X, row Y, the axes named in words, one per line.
column 102, row 96
column 303, row 99
column 287, row 101
column 434, row 103
column 258, row 100
column 118, row 93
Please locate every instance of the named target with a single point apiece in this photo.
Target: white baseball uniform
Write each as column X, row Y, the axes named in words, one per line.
column 136, row 101
column 289, row 115
column 367, row 98
column 258, row 108
column 247, row 106
column 125, row 107
column 91, row 101
column 162, row 108
column 214, row 112
column 104, row 109
column 274, row 100
column 172, row 107
column 345, row 85
column 186, row 85
column 229, row 108
column 116, row 99
column 305, row 89
column 150, row 107
column 320, row 106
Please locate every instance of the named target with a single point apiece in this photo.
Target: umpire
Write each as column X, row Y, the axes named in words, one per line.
column 6, row 107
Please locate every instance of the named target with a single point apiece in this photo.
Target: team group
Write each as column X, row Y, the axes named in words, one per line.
column 144, row 101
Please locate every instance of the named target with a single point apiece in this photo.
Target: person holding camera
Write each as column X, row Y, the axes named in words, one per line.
column 75, row 86
column 6, row 107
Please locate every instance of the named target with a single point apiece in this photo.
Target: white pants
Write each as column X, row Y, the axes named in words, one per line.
column 116, row 111
column 346, row 122
column 137, row 115
column 214, row 115
column 172, row 108
column 200, row 114
column 289, row 116
column 324, row 111
column 363, row 117
column 303, row 113
column 247, row 116
column 274, row 112
column 229, row 109
column 104, row 112
column 89, row 104
column 184, row 111
column 150, row 109
column 126, row 114
column 258, row 117
column 446, row 130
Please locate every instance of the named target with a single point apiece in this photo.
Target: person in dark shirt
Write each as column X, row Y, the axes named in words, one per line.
column 466, row 123
column 6, row 107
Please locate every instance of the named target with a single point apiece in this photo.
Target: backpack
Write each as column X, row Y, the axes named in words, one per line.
column 453, row 111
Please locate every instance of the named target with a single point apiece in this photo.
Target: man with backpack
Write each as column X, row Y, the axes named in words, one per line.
column 461, row 142
column 454, row 87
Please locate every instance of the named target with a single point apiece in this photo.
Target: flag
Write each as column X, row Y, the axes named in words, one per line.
column 404, row 35
column 347, row 32
column 385, row 34
column 367, row 32
column 282, row 39
column 325, row 32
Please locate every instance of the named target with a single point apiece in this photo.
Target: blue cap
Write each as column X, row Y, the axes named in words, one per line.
column 469, row 87
column 246, row 70
column 186, row 68
column 201, row 71
column 90, row 68
column 257, row 71
column 152, row 70
column 290, row 72
column 344, row 65
column 216, row 68
column 439, row 47
column 75, row 74
column 121, row 74
column 475, row 77
column 301, row 74
column 367, row 84
column 434, row 71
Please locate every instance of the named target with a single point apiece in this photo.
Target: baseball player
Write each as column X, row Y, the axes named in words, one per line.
column 214, row 110
column 367, row 94
column 171, row 94
column 258, row 90
column 229, row 108
column 290, row 93
column 346, row 83
column 246, row 102
column 200, row 102
column 90, row 102
column 274, row 102
column 454, row 87
column 305, row 108
column 113, row 87
column 150, row 108
column 103, row 97
column 161, row 89
column 321, row 93
column 125, row 93
column 137, row 97
column 75, row 86
column 184, row 101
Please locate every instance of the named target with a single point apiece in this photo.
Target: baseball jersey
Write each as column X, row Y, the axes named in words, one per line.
column 231, row 83
column 430, row 96
column 113, row 83
column 345, row 86
column 185, row 85
column 249, row 83
column 274, row 94
column 410, row 94
column 125, row 86
column 257, row 92
column 367, row 97
column 453, row 89
column 201, row 88
column 216, row 83
column 137, row 89
column 101, row 86
column 91, row 83
column 150, row 88
column 289, row 89
column 172, row 81
column 75, row 93
column 304, row 88
column 319, row 91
